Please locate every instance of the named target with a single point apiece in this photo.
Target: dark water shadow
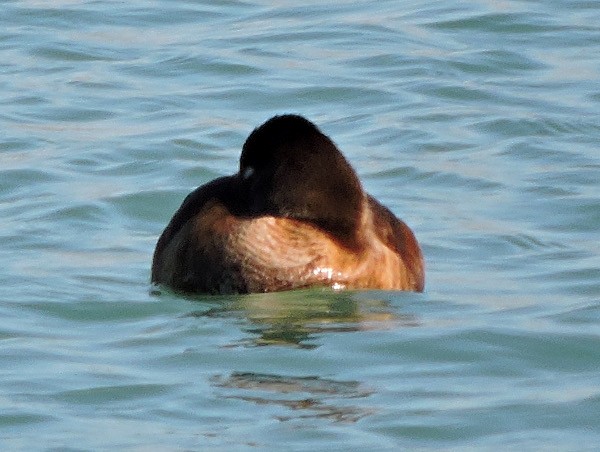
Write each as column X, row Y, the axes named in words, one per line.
column 311, row 397
column 298, row 318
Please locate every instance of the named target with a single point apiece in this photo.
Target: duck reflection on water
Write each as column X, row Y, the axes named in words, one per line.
column 312, row 397
column 297, row 318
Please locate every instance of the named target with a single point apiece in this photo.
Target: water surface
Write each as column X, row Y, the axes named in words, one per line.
column 476, row 122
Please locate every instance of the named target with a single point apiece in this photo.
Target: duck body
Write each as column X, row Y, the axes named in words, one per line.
column 294, row 216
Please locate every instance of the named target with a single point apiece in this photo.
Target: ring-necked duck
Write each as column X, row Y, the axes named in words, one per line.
column 295, row 215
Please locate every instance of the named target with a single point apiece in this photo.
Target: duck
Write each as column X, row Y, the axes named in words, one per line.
column 294, row 216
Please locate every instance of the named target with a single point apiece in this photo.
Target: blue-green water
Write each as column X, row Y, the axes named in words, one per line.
column 476, row 122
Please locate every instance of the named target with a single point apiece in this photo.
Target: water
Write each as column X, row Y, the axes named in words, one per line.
column 476, row 122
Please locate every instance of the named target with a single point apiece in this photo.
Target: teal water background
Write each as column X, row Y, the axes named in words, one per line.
column 477, row 122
